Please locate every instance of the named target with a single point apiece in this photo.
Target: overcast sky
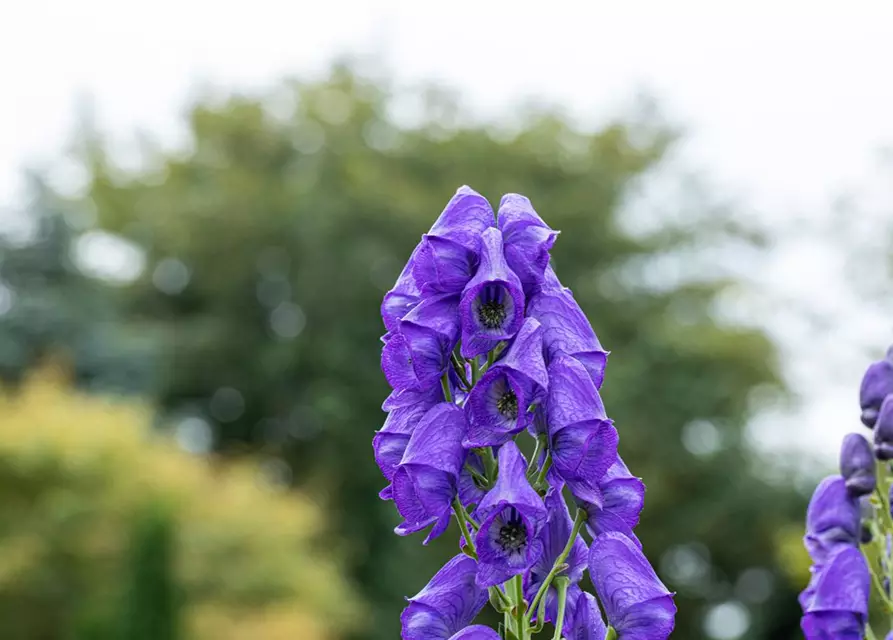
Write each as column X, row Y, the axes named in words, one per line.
column 786, row 105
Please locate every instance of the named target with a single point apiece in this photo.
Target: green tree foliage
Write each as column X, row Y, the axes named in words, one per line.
column 271, row 239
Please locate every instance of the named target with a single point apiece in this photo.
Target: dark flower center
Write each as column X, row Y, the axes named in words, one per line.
column 507, row 405
column 512, row 536
column 492, row 314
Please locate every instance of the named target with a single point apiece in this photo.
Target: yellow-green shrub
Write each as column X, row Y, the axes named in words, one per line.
column 75, row 471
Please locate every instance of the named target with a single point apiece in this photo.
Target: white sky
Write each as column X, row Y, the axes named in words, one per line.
column 786, row 105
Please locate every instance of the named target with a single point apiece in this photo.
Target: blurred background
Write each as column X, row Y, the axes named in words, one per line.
column 202, row 204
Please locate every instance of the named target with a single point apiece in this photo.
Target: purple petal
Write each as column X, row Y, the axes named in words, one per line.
column 588, row 622
column 466, row 216
column 582, row 453
column 636, row 602
column 877, row 384
column 448, row 603
column 496, row 407
column 883, row 431
column 390, row 442
column 843, row 584
column 527, row 239
column 492, row 305
column 525, row 354
column 832, row 518
column 512, row 487
column 857, row 464
column 832, row 625
column 623, row 496
column 566, row 330
column 572, row 394
column 402, row 298
column 443, row 266
column 476, row 632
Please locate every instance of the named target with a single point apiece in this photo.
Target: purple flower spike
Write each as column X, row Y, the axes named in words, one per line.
column 837, row 608
column 389, row 443
column 447, row 604
column 402, row 298
column 877, row 384
column 497, row 406
column 425, row 482
column 492, row 305
column 588, row 622
column 419, row 352
column 883, row 431
column 527, row 239
column 857, row 464
column 582, row 438
column 566, row 329
column 832, row 519
column 476, row 632
column 623, row 497
column 511, row 515
column 554, row 537
column 637, row 604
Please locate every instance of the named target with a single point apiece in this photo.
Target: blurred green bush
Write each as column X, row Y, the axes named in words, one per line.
column 109, row 532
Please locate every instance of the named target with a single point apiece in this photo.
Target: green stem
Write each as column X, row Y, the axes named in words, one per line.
column 486, row 454
column 540, row 443
column 445, row 385
column 475, row 371
column 460, row 370
column 482, row 479
column 541, row 478
column 612, row 634
column 869, row 634
column 520, row 611
column 499, row 600
column 559, row 565
column 561, row 584
column 463, row 519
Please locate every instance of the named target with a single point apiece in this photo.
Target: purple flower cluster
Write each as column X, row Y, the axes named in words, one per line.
column 849, row 511
column 483, row 346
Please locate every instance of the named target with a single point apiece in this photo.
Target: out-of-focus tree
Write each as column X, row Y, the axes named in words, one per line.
column 78, row 474
column 271, row 239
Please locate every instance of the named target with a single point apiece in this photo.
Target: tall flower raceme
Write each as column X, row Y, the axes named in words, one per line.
column 485, row 348
column 849, row 524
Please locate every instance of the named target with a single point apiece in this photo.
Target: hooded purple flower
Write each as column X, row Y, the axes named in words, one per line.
column 476, row 632
column 425, row 482
column 636, row 602
column 566, row 329
column 511, row 515
column 583, row 440
column 418, row 353
column 857, row 464
column 877, row 384
column 832, row 519
column 447, row 604
column 837, row 607
column 588, row 622
column 492, row 305
column 402, row 298
column 497, row 405
column 554, row 537
column 405, row 410
column 623, row 496
column 450, row 252
column 883, row 431
column 527, row 239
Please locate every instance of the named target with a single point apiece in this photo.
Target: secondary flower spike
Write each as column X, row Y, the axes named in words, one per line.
column 447, row 604
column 877, row 384
column 511, row 517
column 492, row 306
column 637, row 604
column 857, row 464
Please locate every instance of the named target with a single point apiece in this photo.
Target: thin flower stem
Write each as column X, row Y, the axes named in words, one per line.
column 540, row 443
column 503, row 603
column 489, row 461
column 478, row 476
column 559, row 561
column 475, row 371
column 612, row 634
column 541, row 478
column 869, row 634
column 460, row 371
column 520, row 611
column 490, row 358
column 463, row 518
column 561, row 584
column 445, row 385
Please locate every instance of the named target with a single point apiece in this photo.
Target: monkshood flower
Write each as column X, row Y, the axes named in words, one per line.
column 554, row 538
column 405, row 410
column 588, row 621
column 497, row 406
column 402, row 298
column 877, row 384
column 566, row 329
column 832, row 519
column 449, row 253
column 492, row 306
column 447, row 604
column 512, row 514
column 426, row 480
column 476, row 632
column 883, row 431
column 417, row 354
column 857, row 465
column 582, row 438
column 637, row 604
column 527, row 239
column 837, row 607
column 623, row 496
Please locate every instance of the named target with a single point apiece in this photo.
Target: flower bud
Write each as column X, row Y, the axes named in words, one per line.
column 857, row 464
column 883, row 431
column 877, row 384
